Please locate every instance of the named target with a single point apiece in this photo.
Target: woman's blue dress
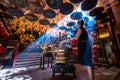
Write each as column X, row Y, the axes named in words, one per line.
column 84, row 48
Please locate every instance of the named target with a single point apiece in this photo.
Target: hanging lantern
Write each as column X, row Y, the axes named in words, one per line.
column 88, row 4
column 66, row 8
column 55, row 4
column 76, row 1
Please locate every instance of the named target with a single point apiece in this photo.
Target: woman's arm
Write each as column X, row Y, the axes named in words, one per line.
column 77, row 34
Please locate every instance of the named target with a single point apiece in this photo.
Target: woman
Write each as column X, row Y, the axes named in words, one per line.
column 84, row 48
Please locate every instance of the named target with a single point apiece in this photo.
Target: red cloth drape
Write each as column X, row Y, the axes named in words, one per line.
column 3, row 33
column 2, row 50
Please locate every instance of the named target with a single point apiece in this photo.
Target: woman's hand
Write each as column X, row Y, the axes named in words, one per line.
column 75, row 38
column 71, row 39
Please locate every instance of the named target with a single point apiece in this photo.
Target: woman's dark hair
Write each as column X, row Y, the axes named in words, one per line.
column 81, row 22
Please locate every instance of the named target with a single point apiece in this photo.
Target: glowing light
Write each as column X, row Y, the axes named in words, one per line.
column 105, row 35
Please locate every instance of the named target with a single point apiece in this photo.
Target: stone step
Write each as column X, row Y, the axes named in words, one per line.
column 27, row 65
column 27, row 62
column 27, row 59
